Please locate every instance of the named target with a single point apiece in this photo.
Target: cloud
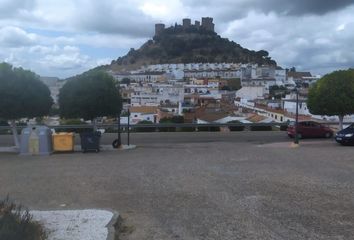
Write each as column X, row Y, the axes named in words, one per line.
column 230, row 9
column 14, row 7
column 70, row 36
column 14, row 37
column 308, row 43
column 302, row 7
column 164, row 10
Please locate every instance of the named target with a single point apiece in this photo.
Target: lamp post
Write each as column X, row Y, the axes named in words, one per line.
column 117, row 143
column 296, row 139
column 128, row 127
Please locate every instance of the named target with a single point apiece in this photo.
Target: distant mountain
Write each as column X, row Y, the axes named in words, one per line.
column 193, row 44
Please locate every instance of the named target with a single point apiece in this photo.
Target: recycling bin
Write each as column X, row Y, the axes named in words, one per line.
column 90, row 141
column 63, row 142
column 36, row 140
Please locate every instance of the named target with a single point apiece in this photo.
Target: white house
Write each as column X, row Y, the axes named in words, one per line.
column 280, row 76
column 289, row 105
column 147, row 113
column 252, row 92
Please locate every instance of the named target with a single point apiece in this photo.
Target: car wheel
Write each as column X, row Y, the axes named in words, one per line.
column 328, row 135
column 290, row 136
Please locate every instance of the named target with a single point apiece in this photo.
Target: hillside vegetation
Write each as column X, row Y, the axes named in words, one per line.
column 178, row 45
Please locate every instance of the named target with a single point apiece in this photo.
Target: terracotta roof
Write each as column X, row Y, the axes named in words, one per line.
column 274, row 110
column 255, row 118
column 300, row 117
column 189, row 117
column 143, row 109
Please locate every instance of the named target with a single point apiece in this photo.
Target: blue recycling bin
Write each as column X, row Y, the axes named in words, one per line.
column 90, row 141
column 36, row 140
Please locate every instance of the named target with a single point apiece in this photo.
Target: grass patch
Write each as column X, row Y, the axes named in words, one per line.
column 123, row 229
column 17, row 223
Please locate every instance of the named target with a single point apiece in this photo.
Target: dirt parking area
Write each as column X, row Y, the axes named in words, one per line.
column 205, row 190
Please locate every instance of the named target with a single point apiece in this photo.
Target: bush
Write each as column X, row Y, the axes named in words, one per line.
column 73, row 122
column 3, row 123
column 17, row 224
column 236, row 128
column 283, row 127
column 261, row 128
column 166, row 129
column 186, row 129
column 209, row 129
column 145, row 129
column 174, row 119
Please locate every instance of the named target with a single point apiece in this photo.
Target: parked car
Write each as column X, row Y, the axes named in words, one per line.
column 309, row 129
column 346, row 136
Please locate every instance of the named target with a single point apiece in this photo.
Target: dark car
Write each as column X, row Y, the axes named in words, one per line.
column 346, row 136
column 309, row 129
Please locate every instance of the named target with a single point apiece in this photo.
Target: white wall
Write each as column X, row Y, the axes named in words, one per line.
column 290, row 106
column 251, row 92
column 137, row 117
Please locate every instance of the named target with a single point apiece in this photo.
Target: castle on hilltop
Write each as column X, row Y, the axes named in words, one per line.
column 207, row 24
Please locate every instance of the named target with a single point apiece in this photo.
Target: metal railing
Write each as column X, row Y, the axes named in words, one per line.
column 166, row 125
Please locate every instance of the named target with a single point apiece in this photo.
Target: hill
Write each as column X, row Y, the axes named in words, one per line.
column 188, row 45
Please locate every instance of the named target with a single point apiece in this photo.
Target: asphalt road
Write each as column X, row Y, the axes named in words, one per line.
column 237, row 186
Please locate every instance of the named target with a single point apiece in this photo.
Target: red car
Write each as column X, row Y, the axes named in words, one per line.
column 309, row 129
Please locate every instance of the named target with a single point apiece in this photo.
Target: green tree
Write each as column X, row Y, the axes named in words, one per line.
column 90, row 95
column 22, row 95
column 333, row 95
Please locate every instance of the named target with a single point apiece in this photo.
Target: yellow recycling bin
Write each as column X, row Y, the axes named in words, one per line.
column 63, row 142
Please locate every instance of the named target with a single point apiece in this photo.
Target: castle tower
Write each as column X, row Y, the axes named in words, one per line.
column 187, row 23
column 207, row 23
column 159, row 28
column 197, row 24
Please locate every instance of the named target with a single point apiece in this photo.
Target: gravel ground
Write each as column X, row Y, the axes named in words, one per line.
column 200, row 190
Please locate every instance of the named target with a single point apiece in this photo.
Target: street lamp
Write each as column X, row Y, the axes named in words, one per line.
column 118, row 142
column 296, row 139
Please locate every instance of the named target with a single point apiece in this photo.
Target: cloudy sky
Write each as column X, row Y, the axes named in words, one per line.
column 66, row 37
